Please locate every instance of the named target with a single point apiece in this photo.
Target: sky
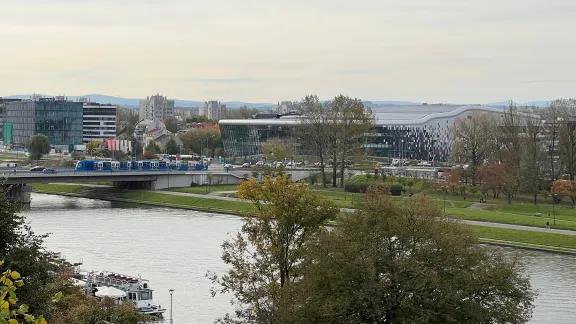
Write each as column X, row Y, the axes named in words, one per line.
column 457, row 51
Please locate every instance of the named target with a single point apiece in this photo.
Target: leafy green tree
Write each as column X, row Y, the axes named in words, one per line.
column 153, row 148
column 266, row 256
column 172, row 147
column 81, row 309
column 38, row 145
column 279, row 150
column 77, row 156
column 394, row 262
column 171, row 124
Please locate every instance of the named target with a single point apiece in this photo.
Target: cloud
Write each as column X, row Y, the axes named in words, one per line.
column 202, row 80
column 549, row 81
column 359, row 71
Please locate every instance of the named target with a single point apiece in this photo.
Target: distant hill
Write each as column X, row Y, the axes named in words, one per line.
column 537, row 103
column 134, row 102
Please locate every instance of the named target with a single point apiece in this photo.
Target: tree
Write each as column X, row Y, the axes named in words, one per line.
column 153, row 148
column 404, row 262
column 38, row 145
column 242, row 113
column 567, row 134
column 200, row 138
column 171, row 124
column 23, row 252
column 81, row 309
column 499, row 178
column 353, row 120
column 93, row 146
column 77, row 156
column 265, row 257
column 532, row 156
column 10, row 281
column 316, row 131
column 473, row 140
column 279, row 150
column 172, row 147
column 552, row 119
column 564, row 188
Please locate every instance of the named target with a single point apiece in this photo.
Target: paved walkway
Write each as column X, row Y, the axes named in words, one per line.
column 521, row 227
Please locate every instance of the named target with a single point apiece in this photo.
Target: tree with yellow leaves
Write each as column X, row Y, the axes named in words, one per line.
column 266, row 255
column 10, row 281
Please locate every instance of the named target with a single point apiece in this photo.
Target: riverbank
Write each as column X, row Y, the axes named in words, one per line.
column 522, row 237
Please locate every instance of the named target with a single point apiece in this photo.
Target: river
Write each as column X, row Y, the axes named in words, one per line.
column 174, row 249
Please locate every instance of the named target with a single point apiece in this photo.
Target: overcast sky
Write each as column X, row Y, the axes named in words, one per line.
column 458, row 51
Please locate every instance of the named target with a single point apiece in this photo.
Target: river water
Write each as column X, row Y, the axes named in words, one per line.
column 174, row 249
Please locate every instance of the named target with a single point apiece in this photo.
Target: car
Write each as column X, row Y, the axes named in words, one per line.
column 37, row 168
column 48, row 170
column 260, row 163
column 228, row 166
column 246, row 165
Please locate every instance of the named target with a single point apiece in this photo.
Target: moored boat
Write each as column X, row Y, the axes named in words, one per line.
column 121, row 288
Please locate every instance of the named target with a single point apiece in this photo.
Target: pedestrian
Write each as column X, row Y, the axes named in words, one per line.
column 548, row 225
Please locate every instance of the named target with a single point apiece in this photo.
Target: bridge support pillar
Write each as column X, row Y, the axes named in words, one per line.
column 18, row 193
column 134, row 185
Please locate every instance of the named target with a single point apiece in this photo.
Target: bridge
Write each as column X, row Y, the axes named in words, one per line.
column 17, row 189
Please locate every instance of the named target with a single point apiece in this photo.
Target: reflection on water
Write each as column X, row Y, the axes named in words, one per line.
column 175, row 248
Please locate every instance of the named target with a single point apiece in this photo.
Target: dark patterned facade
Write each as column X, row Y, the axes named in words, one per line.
column 425, row 137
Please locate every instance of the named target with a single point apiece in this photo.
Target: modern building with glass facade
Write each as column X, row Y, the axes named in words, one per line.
column 99, row 122
column 419, row 132
column 58, row 119
column 3, row 102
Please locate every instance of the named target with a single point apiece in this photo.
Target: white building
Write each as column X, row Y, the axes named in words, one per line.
column 99, row 122
column 156, row 107
column 286, row 107
column 213, row 110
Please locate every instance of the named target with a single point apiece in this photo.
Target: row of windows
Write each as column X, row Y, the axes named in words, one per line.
column 100, row 118
column 100, row 111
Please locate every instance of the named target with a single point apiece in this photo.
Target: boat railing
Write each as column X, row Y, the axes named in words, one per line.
column 113, row 279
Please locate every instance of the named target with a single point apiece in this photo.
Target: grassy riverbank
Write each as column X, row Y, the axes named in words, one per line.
column 535, row 240
column 204, row 190
column 521, row 214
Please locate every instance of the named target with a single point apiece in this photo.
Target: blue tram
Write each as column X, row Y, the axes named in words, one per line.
column 133, row 165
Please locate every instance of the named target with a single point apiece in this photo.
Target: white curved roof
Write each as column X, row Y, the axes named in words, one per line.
column 385, row 115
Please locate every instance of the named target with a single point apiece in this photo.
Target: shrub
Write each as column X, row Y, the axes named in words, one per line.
column 396, row 190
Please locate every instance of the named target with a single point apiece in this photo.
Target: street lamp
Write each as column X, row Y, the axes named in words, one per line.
column 171, row 291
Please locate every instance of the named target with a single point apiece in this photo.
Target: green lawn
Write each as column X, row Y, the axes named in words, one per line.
column 204, row 189
column 206, row 204
column 57, row 188
column 13, row 157
column 509, row 218
column 526, row 238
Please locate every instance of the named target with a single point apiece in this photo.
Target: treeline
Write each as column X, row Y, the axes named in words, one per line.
column 390, row 261
column 525, row 149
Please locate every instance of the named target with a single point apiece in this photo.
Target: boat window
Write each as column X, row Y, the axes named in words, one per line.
column 145, row 295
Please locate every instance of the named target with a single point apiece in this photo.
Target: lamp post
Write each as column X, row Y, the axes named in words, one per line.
column 553, row 211
column 171, row 291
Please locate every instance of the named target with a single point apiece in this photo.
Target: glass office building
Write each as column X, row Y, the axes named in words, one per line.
column 419, row 132
column 59, row 120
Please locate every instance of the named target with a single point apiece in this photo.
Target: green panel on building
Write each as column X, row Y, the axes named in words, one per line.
column 7, row 133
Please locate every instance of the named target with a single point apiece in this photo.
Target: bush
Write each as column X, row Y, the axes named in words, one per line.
column 396, row 190
column 77, row 156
